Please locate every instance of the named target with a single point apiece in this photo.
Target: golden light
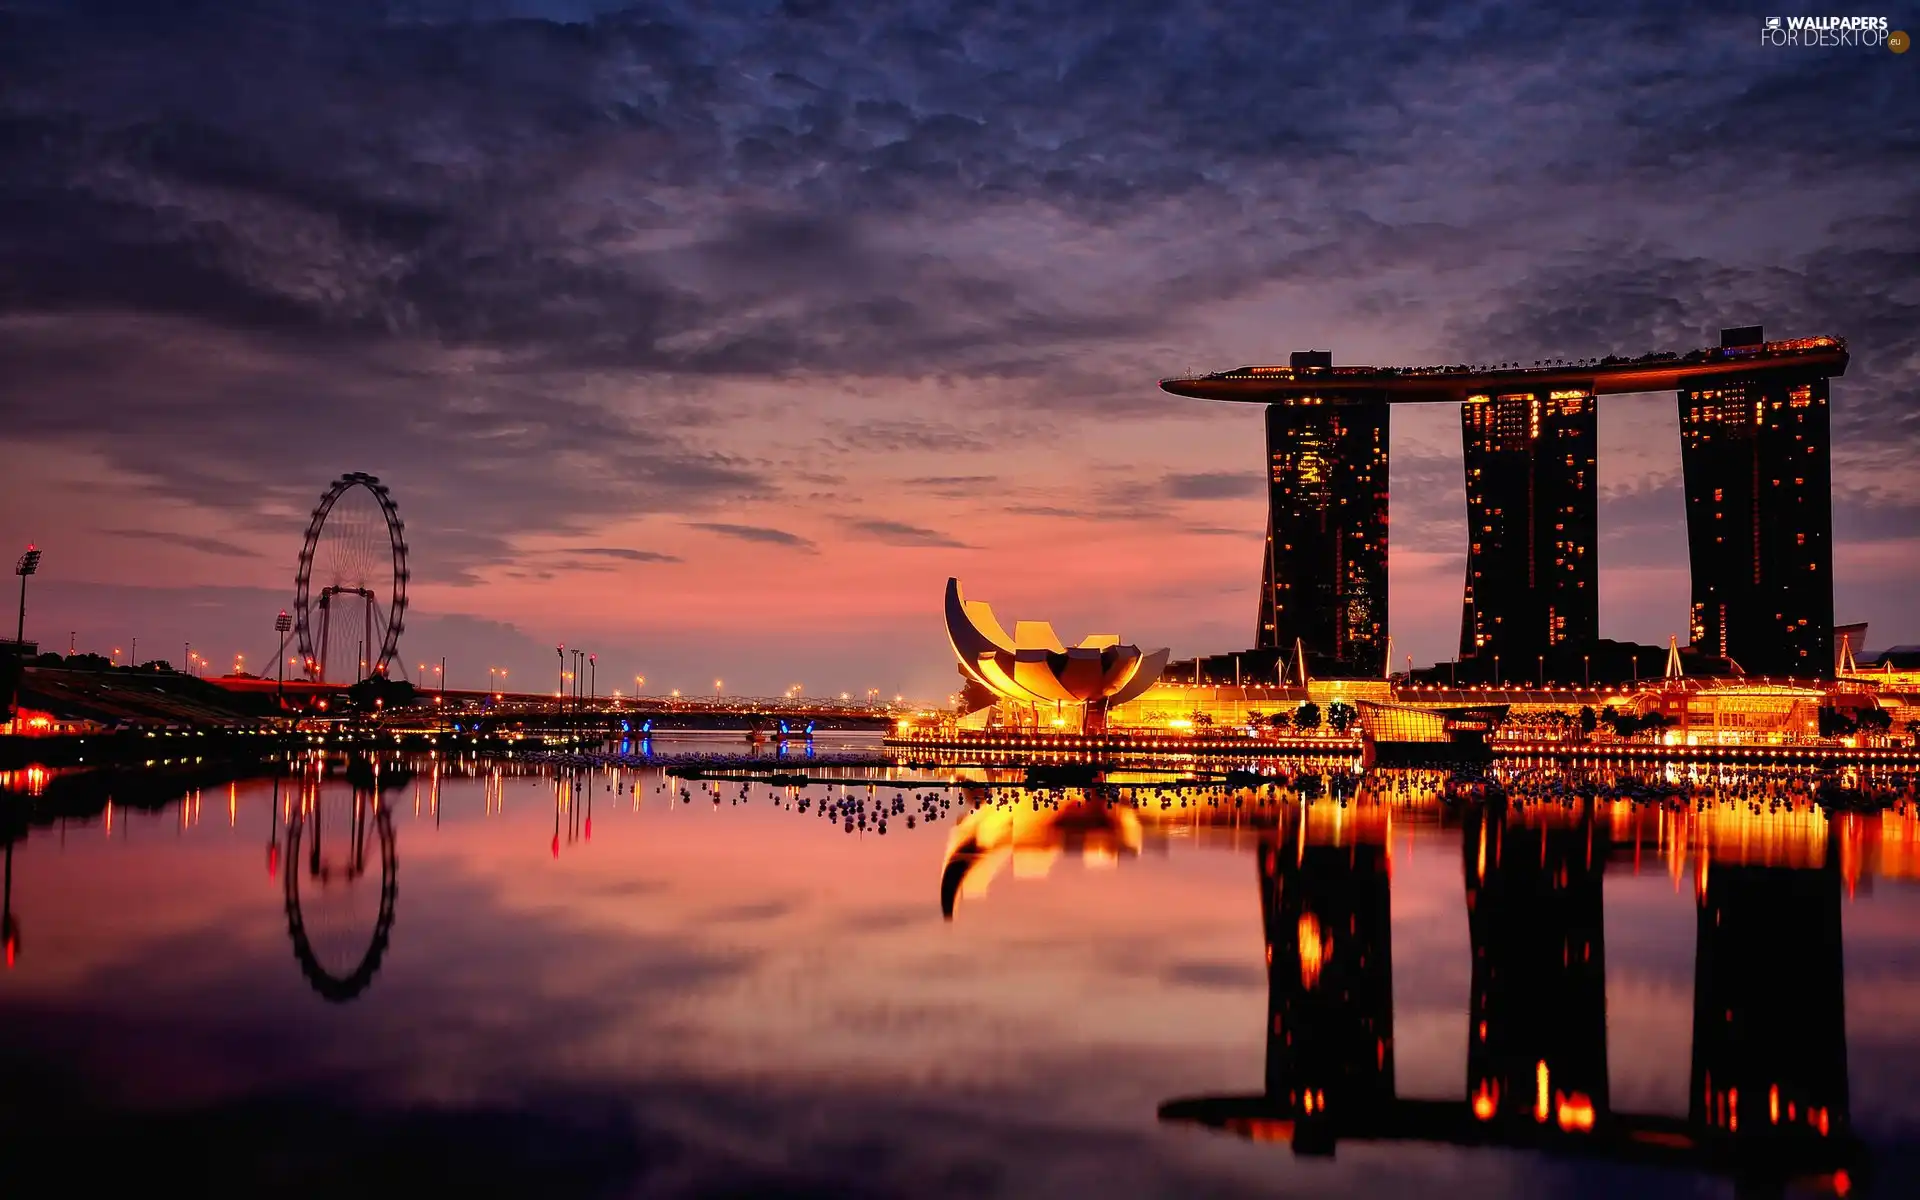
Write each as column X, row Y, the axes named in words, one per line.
column 1486, row 1100
column 1540, row 1081
column 1575, row 1112
column 1313, row 950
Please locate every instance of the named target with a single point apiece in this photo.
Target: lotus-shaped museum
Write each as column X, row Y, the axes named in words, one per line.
column 1033, row 667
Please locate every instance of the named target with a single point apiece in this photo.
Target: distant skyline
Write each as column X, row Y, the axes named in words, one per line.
column 714, row 337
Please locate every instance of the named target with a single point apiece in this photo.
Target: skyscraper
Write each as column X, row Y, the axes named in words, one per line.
column 1754, row 453
column 1754, row 428
column 1532, row 519
column 1324, row 580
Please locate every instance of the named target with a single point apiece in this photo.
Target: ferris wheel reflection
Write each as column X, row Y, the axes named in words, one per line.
column 340, row 881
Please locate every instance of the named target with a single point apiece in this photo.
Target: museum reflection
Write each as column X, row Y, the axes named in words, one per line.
column 1768, row 1094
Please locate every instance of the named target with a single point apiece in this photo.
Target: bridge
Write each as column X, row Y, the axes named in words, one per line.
column 533, row 708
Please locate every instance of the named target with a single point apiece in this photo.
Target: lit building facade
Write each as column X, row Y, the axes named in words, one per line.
column 1324, row 578
column 1754, row 452
column 1754, row 425
column 1532, row 583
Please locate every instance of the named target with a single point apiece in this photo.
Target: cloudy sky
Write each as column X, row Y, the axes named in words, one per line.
column 715, row 336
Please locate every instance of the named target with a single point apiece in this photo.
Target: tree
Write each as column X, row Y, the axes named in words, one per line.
column 1835, row 723
column 1280, row 720
column 1626, row 724
column 378, row 691
column 1588, row 722
column 1874, row 720
column 1307, row 716
column 1340, row 714
column 1201, row 720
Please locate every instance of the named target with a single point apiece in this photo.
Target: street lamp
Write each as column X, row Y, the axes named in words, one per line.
column 28, row 564
column 281, row 624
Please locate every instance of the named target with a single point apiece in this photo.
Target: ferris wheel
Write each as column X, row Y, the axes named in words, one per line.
column 350, row 592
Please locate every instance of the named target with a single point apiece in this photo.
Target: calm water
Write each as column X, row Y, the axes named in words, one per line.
column 582, row 983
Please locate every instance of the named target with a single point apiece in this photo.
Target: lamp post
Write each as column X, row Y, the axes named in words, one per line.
column 442, row 672
column 28, row 564
column 560, row 652
column 593, row 680
column 281, row 624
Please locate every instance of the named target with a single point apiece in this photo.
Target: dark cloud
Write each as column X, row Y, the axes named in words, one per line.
column 1213, row 485
column 755, row 533
column 531, row 263
column 894, row 436
column 186, row 541
column 899, row 533
column 951, row 485
column 624, row 554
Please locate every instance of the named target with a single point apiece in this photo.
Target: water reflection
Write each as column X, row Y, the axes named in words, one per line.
column 341, row 881
column 778, row 939
column 1768, row 1093
column 988, row 839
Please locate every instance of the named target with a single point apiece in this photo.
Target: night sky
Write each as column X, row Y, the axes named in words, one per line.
column 715, row 336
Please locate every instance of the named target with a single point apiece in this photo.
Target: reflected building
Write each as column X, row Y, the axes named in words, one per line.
column 1328, row 917
column 1768, row 1072
column 1324, row 577
column 1532, row 583
column 1769, row 1007
column 1754, row 454
column 1537, row 1028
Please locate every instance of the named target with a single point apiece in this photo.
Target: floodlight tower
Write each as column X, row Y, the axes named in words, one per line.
column 28, row 564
